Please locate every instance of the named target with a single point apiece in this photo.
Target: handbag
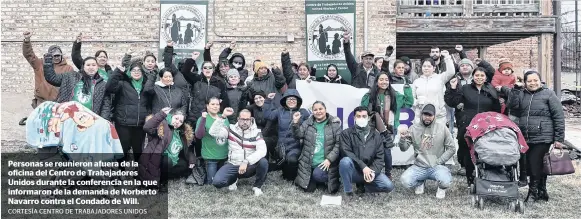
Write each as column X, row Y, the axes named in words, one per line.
column 198, row 174
column 557, row 163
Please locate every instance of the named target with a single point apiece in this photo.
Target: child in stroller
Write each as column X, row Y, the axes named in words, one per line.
column 496, row 144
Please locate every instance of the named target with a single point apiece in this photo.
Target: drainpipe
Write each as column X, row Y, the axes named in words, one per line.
column 365, row 22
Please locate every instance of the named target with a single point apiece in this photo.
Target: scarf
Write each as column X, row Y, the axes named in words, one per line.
column 175, row 146
column 362, row 132
column 137, row 84
column 103, row 74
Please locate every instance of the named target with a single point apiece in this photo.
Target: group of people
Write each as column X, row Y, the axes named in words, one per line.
column 239, row 122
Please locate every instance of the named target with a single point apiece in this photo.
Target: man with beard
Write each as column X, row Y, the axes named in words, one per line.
column 246, row 156
column 433, row 146
column 43, row 91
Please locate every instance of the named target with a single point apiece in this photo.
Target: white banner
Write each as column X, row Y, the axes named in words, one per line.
column 341, row 100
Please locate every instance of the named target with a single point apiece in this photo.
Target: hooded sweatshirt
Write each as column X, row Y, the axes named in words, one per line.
column 433, row 144
column 43, row 91
column 430, row 90
column 243, row 145
column 501, row 79
column 284, row 116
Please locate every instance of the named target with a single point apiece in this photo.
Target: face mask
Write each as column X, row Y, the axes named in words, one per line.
column 237, row 65
column 361, row 122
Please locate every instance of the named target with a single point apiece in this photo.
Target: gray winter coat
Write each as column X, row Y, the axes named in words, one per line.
column 540, row 115
column 307, row 132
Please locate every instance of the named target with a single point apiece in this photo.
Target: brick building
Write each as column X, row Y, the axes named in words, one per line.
column 122, row 25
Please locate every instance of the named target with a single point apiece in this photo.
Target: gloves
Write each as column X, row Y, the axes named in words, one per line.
column 126, row 61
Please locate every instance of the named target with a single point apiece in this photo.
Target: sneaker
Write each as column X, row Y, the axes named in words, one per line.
column 420, row 189
column 441, row 193
column 257, row 191
column 233, row 187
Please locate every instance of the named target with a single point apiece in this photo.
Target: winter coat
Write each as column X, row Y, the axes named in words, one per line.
column 159, row 136
column 130, row 107
column 202, row 90
column 284, row 116
column 433, row 144
column 272, row 82
column 403, row 100
column 359, row 77
column 501, row 79
column 475, row 101
column 540, row 115
column 364, row 152
column 67, row 83
column 431, row 89
column 307, row 132
column 43, row 91
column 238, row 97
column 178, row 79
column 224, row 56
column 243, row 145
column 267, row 127
column 162, row 96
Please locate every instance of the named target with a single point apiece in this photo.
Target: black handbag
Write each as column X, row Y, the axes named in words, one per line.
column 198, row 174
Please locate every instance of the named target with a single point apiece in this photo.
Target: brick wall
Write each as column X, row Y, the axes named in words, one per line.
column 122, row 25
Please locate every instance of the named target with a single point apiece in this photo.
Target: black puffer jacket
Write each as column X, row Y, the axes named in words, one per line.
column 224, row 56
column 540, row 115
column 267, row 127
column 66, row 82
column 165, row 96
column 178, row 78
column 272, row 82
column 307, row 132
column 130, row 107
column 238, row 97
column 475, row 101
column 202, row 90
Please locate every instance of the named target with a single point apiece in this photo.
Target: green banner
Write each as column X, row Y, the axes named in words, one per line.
column 184, row 22
column 326, row 23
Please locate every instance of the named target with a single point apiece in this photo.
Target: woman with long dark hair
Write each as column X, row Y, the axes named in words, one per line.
column 382, row 105
column 477, row 97
column 84, row 86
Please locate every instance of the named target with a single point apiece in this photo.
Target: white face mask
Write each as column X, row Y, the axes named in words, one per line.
column 236, row 65
column 361, row 122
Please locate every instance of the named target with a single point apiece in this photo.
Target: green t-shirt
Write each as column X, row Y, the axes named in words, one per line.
column 212, row 148
column 319, row 153
column 175, row 146
column 84, row 99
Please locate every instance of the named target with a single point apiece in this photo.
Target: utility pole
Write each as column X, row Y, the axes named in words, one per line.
column 577, row 54
column 557, row 48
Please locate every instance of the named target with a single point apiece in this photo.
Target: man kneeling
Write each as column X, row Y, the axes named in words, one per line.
column 247, row 150
column 433, row 146
column 363, row 161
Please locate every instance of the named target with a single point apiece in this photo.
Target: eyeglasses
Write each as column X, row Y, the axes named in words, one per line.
column 208, row 67
column 136, row 71
column 245, row 120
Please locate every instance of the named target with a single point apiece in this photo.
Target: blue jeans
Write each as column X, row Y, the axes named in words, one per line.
column 212, row 167
column 228, row 174
column 450, row 116
column 349, row 175
column 319, row 175
column 416, row 175
column 388, row 161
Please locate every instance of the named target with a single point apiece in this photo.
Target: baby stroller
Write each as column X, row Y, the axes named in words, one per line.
column 495, row 144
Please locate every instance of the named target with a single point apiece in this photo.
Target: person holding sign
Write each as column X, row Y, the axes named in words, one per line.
column 362, row 148
column 433, row 145
column 319, row 159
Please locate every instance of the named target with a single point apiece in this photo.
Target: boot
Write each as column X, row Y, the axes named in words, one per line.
column 533, row 190
column 542, row 189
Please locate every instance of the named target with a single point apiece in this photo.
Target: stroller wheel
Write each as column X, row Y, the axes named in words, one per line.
column 520, row 207
column 472, row 189
column 474, row 201
column 481, row 203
